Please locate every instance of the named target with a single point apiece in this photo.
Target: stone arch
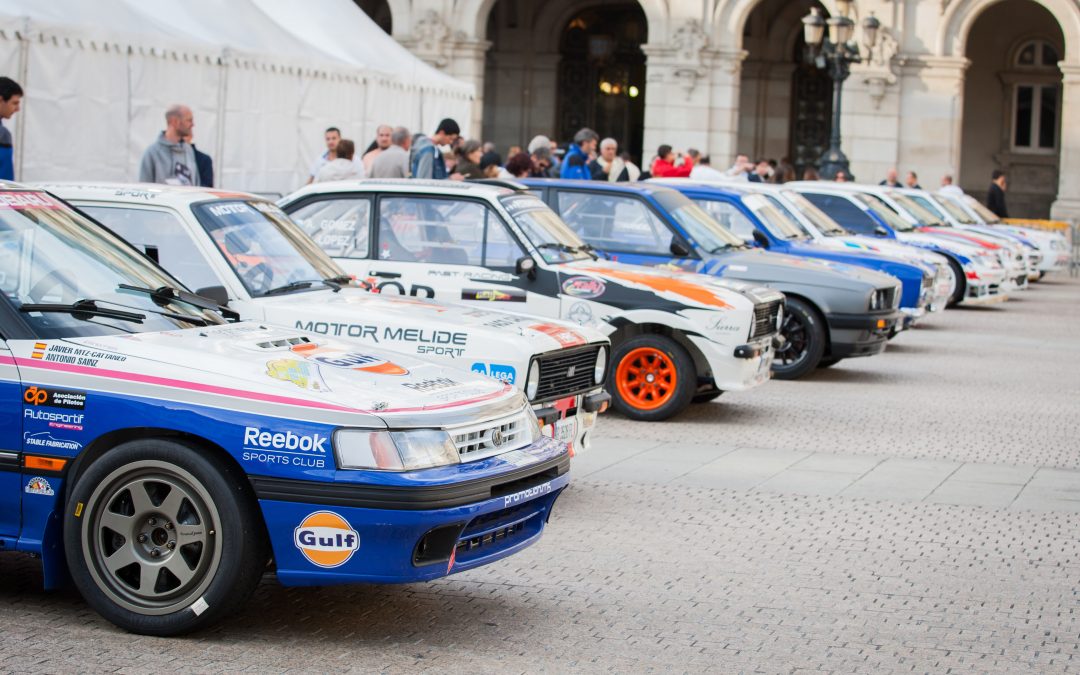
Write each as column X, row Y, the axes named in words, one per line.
column 656, row 14
column 961, row 15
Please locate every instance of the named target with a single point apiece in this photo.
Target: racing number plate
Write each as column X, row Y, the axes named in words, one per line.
column 566, row 430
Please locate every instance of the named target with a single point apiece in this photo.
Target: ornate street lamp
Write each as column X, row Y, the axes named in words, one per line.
column 835, row 54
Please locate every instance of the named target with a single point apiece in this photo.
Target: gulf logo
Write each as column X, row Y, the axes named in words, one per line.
column 349, row 360
column 326, row 539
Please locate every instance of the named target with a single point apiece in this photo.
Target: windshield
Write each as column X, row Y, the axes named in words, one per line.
column 885, row 212
column 984, row 213
column 958, row 214
column 265, row 249
column 781, row 222
column 52, row 255
column 699, row 225
column 924, row 217
column 931, row 207
column 821, row 222
column 543, row 227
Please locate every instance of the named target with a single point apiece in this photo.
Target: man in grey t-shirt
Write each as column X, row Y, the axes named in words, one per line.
column 171, row 159
column 393, row 162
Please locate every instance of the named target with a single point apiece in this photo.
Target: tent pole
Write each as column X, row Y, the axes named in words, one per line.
column 223, row 93
column 24, row 71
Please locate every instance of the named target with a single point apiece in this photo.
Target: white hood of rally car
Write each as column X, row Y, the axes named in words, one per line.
column 288, row 363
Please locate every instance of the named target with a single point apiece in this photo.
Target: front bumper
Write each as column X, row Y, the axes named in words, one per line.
column 740, row 367
column 571, row 419
column 988, row 289
column 852, row 335
column 404, row 535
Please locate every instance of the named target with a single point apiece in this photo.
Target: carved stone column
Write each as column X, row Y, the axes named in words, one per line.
column 1067, row 205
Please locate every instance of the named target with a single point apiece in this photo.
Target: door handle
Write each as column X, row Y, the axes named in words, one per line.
column 384, row 275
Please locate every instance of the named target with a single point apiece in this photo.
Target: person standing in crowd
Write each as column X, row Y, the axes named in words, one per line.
column 892, row 179
column 469, row 156
column 332, row 135
column 811, row 173
column 394, row 161
column 947, row 187
column 425, row 158
column 785, row 171
column 205, row 164
column 540, row 154
column 912, row 181
column 608, row 165
column 762, row 172
column 520, row 165
column 514, row 149
column 582, row 151
column 841, row 176
column 995, row 196
column 741, row 168
column 381, row 144
column 10, row 100
column 491, row 166
column 633, row 171
column 170, row 159
column 704, row 171
column 664, row 166
column 342, row 167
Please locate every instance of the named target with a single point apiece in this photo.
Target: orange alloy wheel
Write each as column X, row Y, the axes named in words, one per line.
column 646, row 378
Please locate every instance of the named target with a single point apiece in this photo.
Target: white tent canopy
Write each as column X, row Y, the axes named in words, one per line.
column 264, row 78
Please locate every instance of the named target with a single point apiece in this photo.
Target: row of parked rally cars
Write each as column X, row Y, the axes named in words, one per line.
column 385, row 381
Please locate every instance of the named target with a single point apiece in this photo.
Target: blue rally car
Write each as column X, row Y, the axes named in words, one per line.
column 161, row 457
column 761, row 218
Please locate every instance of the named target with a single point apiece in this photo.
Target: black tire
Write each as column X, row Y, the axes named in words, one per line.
column 804, row 334
column 959, row 284
column 195, row 510
column 828, row 363
column 671, row 355
column 705, row 397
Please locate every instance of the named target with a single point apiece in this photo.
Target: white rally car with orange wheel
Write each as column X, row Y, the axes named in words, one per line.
column 244, row 252
column 677, row 337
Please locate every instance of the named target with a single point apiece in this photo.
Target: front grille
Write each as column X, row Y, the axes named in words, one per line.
column 765, row 318
column 484, row 439
column 887, row 298
column 566, row 373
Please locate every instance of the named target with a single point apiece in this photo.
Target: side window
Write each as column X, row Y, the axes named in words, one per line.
column 615, row 223
column 162, row 236
column 444, row 231
column 341, row 227
column 840, row 209
column 728, row 215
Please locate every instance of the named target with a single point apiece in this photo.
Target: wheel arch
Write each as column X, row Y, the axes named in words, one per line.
column 627, row 329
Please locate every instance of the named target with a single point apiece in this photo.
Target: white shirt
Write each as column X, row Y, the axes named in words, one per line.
column 322, row 159
column 706, row 173
column 951, row 190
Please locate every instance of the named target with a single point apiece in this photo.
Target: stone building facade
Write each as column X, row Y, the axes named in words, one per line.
column 951, row 86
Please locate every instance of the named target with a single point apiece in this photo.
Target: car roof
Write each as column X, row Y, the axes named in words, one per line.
column 445, row 187
column 635, row 188
column 139, row 193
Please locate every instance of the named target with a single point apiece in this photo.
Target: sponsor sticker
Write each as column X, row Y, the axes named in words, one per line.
column 433, row 384
column 580, row 312
column 493, row 294
column 39, row 486
column 77, row 356
column 326, row 539
column 526, row 495
column 27, row 200
column 55, row 398
column 583, row 287
column 305, row 451
column 507, row 374
column 45, row 439
column 56, row 420
column 358, row 361
column 302, row 374
column 564, row 336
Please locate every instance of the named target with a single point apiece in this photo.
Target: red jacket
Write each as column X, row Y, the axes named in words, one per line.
column 662, row 168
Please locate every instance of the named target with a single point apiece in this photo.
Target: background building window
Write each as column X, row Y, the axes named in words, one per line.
column 1036, row 105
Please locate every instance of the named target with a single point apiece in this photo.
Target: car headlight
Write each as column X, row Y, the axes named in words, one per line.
column 394, row 450
column 532, row 381
column 875, row 300
column 600, row 369
column 779, row 318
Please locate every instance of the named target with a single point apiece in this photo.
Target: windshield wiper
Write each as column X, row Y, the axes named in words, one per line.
column 333, row 283
column 84, row 309
column 166, row 294
column 593, row 253
column 565, row 248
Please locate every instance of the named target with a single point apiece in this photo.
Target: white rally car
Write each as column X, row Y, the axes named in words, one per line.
column 244, row 252
column 677, row 337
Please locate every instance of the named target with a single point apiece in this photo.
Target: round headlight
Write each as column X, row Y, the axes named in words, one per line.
column 532, row 382
column 779, row 318
column 601, row 365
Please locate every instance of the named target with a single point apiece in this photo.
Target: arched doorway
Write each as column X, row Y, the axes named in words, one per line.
column 379, row 11
column 785, row 105
column 1012, row 105
column 556, row 66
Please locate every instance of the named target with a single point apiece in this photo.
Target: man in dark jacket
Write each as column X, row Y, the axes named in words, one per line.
column 576, row 163
column 10, row 98
column 425, row 157
column 995, row 197
column 205, row 164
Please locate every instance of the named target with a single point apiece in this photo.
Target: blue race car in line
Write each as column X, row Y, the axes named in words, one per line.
column 161, row 457
column 756, row 214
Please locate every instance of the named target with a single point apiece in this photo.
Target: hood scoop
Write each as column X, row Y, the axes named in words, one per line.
column 280, row 344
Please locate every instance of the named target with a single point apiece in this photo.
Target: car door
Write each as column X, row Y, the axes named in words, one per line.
column 10, row 443
column 340, row 224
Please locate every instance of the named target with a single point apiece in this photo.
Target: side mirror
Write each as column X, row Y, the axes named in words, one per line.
column 680, row 249
column 881, row 231
column 525, row 265
column 216, row 294
column 760, row 239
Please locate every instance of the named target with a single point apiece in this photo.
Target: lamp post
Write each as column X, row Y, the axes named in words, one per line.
column 835, row 54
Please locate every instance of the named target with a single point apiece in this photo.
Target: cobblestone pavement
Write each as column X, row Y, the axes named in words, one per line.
column 643, row 572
